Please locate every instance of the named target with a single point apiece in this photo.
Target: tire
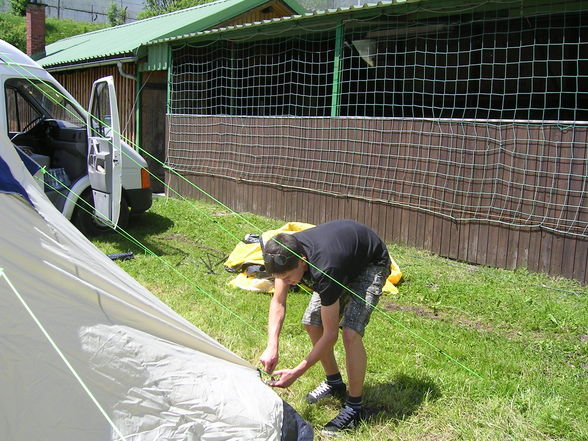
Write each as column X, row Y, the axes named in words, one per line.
column 86, row 222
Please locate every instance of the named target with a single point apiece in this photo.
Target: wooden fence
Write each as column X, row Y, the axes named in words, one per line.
column 503, row 195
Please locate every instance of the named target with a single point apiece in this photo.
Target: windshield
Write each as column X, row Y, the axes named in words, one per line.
column 28, row 100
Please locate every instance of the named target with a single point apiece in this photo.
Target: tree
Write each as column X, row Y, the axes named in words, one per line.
column 18, row 7
column 158, row 7
column 116, row 16
column 155, row 7
column 158, row 4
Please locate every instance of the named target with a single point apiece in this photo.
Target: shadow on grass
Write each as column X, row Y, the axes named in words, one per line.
column 398, row 399
column 142, row 229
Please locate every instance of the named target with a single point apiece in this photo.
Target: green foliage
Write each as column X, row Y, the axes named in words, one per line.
column 13, row 29
column 116, row 15
column 158, row 4
column 158, row 7
column 58, row 29
column 18, row 7
column 317, row 5
column 525, row 334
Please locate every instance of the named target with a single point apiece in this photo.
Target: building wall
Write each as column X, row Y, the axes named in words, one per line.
column 519, row 207
column 465, row 135
column 85, row 10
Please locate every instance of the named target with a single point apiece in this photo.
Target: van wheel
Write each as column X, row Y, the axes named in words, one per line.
column 89, row 225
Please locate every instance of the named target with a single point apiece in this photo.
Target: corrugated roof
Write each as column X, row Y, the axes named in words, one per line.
column 126, row 39
column 367, row 11
column 277, row 20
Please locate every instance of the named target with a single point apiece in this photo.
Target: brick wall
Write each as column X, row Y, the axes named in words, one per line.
column 35, row 21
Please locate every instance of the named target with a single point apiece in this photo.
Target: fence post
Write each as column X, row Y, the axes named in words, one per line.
column 336, row 93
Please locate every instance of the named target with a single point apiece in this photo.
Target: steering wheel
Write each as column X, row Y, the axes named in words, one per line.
column 32, row 124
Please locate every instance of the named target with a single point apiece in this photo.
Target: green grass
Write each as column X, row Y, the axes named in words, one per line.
column 524, row 334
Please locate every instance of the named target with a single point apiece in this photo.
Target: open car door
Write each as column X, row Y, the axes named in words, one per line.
column 104, row 151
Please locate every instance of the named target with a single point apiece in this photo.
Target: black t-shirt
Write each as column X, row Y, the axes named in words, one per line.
column 341, row 249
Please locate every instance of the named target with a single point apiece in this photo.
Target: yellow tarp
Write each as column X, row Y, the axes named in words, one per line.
column 250, row 253
column 246, row 254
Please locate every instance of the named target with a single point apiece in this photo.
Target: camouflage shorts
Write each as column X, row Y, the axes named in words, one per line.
column 355, row 309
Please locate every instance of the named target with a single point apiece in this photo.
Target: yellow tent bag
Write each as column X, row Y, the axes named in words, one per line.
column 250, row 256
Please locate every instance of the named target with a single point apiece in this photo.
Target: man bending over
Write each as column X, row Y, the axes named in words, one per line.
column 346, row 264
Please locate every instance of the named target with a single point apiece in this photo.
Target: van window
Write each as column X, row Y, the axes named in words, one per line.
column 28, row 101
column 102, row 120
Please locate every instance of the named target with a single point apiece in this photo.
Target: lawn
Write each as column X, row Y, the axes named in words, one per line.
column 461, row 353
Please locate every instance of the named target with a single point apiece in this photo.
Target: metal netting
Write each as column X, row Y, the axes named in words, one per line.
column 269, row 78
column 528, row 68
column 470, row 116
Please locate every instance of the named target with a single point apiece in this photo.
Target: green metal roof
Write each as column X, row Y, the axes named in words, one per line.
column 126, row 39
column 353, row 15
column 324, row 15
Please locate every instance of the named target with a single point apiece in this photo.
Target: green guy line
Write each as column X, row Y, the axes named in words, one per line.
column 233, row 236
column 134, row 145
column 61, row 355
column 134, row 240
column 384, row 313
column 138, row 148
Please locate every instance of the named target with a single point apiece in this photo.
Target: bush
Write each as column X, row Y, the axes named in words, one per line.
column 13, row 30
column 58, row 29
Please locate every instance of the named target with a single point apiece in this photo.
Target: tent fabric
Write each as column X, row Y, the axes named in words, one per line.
column 29, row 163
column 247, row 259
column 8, row 184
column 143, row 372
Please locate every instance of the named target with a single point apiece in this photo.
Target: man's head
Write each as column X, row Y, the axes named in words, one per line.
column 283, row 257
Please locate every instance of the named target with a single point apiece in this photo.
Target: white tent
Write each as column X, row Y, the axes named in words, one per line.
column 89, row 354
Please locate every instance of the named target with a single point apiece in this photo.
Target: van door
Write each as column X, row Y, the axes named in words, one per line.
column 104, row 151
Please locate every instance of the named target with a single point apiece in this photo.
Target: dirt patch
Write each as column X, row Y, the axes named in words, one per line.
column 197, row 243
column 420, row 311
column 436, row 314
column 180, row 238
column 209, row 252
column 502, row 330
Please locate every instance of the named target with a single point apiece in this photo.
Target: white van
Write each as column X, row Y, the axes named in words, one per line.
column 81, row 150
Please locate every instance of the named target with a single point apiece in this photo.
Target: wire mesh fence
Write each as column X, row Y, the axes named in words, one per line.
column 530, row 68
column 475, row 116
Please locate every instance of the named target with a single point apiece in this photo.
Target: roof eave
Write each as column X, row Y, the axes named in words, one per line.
column 330, row 15
column 210, row 21
column 90, row 63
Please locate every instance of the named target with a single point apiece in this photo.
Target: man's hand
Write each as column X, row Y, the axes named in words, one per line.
column 269, row 359
column 286, row 378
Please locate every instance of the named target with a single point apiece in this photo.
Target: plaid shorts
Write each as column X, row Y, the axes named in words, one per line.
column 355, row 309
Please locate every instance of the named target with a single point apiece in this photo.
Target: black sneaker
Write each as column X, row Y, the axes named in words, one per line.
column 347, row 419
column 325, row 390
